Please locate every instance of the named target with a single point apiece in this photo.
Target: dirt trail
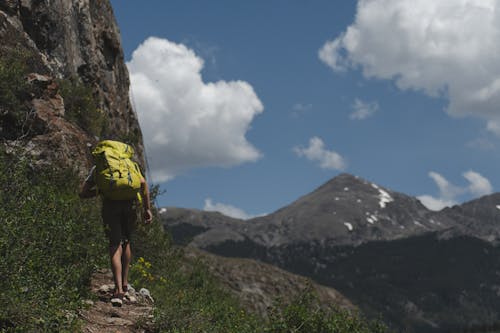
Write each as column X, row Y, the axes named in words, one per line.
column 102, row 317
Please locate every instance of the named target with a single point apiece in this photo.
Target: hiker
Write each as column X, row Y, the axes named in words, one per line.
column 119, row 212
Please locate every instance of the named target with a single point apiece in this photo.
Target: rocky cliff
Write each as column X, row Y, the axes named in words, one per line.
column 75, row 42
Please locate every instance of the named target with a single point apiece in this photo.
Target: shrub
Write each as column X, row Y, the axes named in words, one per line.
column 50, row 242
column 304, row 315
column 81, row 107
column 13, row 93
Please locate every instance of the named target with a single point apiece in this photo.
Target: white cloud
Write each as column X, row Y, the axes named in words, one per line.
column 481, row 144
column 186, row 122
column 494, row 127
column 478, row 185
column 317, row 152
column 225, row 209
column 363, row 110
column 449, row 193
column 435, row 204
column 444, row 48
column 299, row 109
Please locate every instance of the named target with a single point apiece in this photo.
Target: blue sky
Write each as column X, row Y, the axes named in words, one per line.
column 246, row 106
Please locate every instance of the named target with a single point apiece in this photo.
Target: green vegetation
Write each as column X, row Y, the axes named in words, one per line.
column 13, row 91
column 50, row 242
column 189, row 299
column 13, row 85
column 81, row 107
column 305, row 315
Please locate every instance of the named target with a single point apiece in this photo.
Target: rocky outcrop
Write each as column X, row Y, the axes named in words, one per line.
column 77, row 40
column 51, row 139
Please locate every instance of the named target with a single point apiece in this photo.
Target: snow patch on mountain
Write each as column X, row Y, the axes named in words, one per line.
column 418, row 224
column 384, row 197
column 349, row 226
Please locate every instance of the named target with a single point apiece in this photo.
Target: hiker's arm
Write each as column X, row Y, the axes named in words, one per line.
column 87, row 190
column 146, row 201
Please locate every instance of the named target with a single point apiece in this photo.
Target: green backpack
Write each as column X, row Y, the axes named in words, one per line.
column 117, row 177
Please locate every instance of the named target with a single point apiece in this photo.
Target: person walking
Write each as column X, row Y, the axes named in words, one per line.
column 119, row 205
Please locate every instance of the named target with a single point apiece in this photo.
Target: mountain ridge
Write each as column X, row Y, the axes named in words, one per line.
column 422, row 270
column 347, row 208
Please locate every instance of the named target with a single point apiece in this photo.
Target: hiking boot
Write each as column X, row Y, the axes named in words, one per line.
column 117, row 300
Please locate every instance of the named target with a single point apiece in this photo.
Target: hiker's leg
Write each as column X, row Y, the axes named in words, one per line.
column 126, row 258
column 128, row 227
column 116, row 266
column 111, row 216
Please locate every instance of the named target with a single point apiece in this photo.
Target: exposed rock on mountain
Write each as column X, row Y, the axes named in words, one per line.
column 73, row 40
column 479, row 218
column 258, row 285
column 345, row 211
column 424, row 271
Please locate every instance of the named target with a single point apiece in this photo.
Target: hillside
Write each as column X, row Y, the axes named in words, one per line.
column 424, row 271
column 259, row 285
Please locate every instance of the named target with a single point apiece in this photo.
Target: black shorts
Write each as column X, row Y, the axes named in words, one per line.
column 120, row 220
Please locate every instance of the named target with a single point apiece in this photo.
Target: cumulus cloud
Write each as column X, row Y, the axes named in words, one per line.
column 447, row 190
column 435, row 204
column 225, row 209
column 444, row 48
column 317, row 152
column 363, row 110
column 478, row 185
column 186, row 122
column 449, row 193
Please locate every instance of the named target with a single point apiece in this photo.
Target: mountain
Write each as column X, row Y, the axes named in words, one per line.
column 347, row 210
column 423, row 271
column 479, row 218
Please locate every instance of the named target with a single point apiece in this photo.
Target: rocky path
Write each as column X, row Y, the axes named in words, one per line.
column 134, row 316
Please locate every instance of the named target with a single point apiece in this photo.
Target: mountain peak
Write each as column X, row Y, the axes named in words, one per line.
column 346, row 182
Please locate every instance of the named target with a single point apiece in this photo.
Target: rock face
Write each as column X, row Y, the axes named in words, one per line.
column 77, row 40
column 423, row 271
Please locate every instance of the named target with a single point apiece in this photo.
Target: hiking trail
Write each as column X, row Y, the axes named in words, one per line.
column 134, row 316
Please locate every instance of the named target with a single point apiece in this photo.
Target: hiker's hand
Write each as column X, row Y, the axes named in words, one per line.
column 148, row 216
